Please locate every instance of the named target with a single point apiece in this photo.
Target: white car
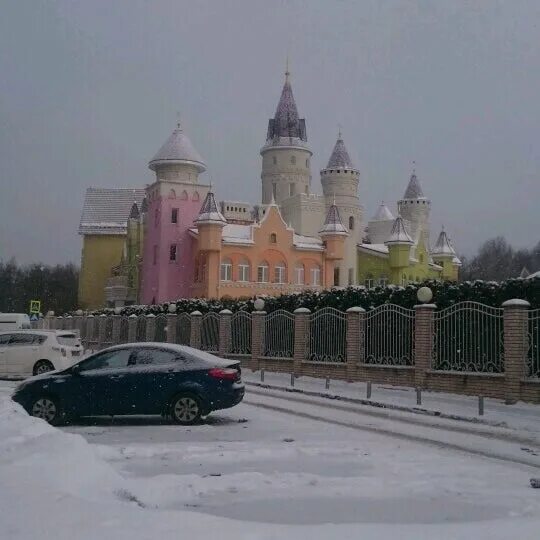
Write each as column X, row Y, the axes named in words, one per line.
column 32, row 352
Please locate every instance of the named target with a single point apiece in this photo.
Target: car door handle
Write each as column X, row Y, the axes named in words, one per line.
column 116, row 377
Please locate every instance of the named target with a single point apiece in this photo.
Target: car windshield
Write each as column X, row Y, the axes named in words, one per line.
column 70, row 340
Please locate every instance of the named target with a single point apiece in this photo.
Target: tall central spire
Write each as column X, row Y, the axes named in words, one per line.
column 286, row 122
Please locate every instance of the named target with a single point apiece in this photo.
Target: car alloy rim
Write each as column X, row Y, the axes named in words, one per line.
column 186, row 409
column 43, row 368
column 44, row 408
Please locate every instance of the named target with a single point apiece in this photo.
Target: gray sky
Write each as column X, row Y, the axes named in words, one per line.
column 89, row 90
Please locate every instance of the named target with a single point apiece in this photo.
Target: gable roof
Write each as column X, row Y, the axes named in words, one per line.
column 106, row 210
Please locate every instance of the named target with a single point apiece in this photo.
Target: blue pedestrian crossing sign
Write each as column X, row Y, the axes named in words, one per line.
column 34, row 317
column 35, row 306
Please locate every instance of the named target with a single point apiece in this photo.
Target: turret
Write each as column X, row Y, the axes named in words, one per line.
column 399, row 247
column 445, row 255
column 340, row 179
column 285, row 155
column 210, row 223
column 334, row 235
column 415, row 209
column 380, row 225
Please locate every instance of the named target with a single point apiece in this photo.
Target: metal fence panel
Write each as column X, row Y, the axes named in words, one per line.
column 183, row 329
column 140, row 334
column 533, row 357
column 108, row 337
column 210, row 332
column 161, row 328
column 241, row 333
column 469, row 337
column 326, row 340
column 389, row 336
column 278, row 337
column 124, row 330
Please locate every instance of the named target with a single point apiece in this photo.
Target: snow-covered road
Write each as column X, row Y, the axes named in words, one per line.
column 283, row 475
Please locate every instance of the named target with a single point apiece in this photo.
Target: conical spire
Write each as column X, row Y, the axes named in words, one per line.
column 443, row 246
column 333, row 223
column 414, row 190
column 177, row 149
column 286, row 122
column 383, row 213
column 340, row 157
column 209, row 212
column 399, row 234
column 134, row 213
column 144, row 205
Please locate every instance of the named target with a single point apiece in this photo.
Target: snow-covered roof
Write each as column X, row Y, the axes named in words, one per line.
column 535, row 275
column 399, row 234
column 307, row 242
column 379, row 248
column 106, row 211
column 177, row 149
column 340, row 158
column 414, row 190
column 333, row 223
column 237, row 234
column 383, row 213
column 443, row 246
column 209, row 212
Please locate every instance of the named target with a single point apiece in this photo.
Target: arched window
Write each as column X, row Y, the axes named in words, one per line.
column 196, row 196
column 184, row 195
column 383, row 280
column 280, row 272
column 262, row 272
column 226, row 270
column 307, row 162
column 243, row 270
column 351, row 223
column 293, row 160
column 316, row 275
column 299, row 274
column 273, row 238
column 172, row 194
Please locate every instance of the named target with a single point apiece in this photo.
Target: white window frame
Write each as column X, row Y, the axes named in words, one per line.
column 243, row 272
column 226, row 271
column 316, row 276
column 262, row 273
column 280, row 274
column 299, row 275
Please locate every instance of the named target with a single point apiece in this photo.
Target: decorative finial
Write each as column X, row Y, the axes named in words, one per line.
column 287, row 73
column 334, row 198
column 178, row 123
column 414, row 167
column 339, row 131
column 211, row 186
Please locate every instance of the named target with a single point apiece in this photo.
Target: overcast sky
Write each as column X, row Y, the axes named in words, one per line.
column 89, row 90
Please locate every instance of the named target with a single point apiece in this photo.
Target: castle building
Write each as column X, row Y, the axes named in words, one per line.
column 178, row 242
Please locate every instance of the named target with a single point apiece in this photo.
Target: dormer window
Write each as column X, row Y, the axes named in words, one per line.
column 273, row 238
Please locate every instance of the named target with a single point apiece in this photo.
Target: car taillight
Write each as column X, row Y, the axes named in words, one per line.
column 226, row 374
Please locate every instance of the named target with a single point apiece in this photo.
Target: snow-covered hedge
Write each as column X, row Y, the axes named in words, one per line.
column 445, row 294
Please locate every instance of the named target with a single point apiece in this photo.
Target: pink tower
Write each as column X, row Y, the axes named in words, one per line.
column 174, row 201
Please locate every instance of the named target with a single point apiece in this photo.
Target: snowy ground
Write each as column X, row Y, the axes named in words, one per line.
column 258, row 471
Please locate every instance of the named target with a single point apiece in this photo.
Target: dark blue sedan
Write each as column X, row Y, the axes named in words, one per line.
column 136, row 378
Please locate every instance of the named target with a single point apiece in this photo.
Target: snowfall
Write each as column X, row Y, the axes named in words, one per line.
column 277, row 466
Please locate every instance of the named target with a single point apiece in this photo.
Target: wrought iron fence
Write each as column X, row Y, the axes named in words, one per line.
column 326, row 338
column 469, row 337
column 210, row 332
column 389, row 336
column 533, row 357
column 92, row 335
column 108, row 336
column 241, row 333
column 278, row 337
column 161, row 328
column 140, row 333
column 124, row 330
column 183, row 329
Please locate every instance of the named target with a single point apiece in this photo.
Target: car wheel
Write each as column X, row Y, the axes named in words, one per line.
column 48, row 409
column 186, row 409
column 43, row 366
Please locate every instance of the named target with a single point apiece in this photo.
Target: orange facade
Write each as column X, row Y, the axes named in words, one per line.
column 257, row 259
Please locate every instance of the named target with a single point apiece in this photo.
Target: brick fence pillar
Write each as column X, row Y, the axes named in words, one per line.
column 132, row 328
column 301, row 331
column 150, row 328
column 423, row 342
column 68, row 323
column 171, row 327
column 116, row 322
column 78, row 321
column 257, row 337
column 225, row 338
column 355, row 319
column 516, row 345
column 59, row 323
column 195, row 335
column 102, row 324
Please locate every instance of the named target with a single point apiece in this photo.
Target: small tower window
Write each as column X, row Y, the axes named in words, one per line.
column 273, row 238
column 307, row 162
column 174, row 215
column 274, row 191
column 274, row 160
column 172, row 253
column 291, row 189
column 351, row 223
column 336, row 277
column 293, row 160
